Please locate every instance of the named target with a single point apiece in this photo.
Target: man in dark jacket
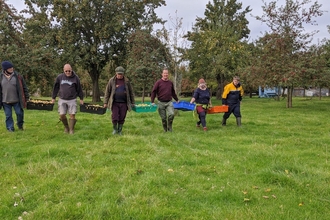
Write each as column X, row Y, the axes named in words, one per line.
column 232, row 96
column 13, row 94
column 67, row 85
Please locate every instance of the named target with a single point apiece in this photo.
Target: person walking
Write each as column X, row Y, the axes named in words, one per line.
column 164, row 90
column 232, row 96
column 202, row 98
column 67, row 86
column 119, row 98
column 13, row 94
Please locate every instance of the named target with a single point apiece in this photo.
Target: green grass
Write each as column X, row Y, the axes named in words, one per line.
column 276, row 166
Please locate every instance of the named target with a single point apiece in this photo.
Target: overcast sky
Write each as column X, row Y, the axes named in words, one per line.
column 189, row 10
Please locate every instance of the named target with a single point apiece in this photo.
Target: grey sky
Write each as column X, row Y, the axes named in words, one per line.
column 188, row 10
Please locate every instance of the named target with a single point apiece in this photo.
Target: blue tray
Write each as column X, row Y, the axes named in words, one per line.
column 184, row 106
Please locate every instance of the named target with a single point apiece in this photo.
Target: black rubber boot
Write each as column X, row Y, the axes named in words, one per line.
column 115, row 129
column 120, row 128
column 223, row 123
column 238, row 121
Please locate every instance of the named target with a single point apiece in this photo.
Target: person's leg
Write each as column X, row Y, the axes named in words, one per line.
column 237, row 113
column 170, row 115
column 19, row 115
column 226, row 115
column 115, row 117
column 7, row 108
column 122, row 115
column 202, row 116
column 62, row 110
column 162, row 114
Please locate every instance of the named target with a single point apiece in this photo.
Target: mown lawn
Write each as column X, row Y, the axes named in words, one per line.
column 276, row 166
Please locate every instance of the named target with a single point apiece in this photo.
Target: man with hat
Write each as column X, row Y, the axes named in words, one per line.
column 119, row 98
column 13, row 94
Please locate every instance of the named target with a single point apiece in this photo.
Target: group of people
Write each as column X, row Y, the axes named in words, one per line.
column 118, row 97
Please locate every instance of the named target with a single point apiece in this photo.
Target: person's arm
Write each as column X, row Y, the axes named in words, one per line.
column 224, row 95
column 154, row 93
column 130, row 88
column 56, row 89
column 107, row 94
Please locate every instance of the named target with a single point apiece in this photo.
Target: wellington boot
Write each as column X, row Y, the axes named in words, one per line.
column 223, row 123
column 238, row 121
column 120, row 128
column 115, row 129
column 72, row 123
column 65, row 123
column 164, row 122
column 169, row 126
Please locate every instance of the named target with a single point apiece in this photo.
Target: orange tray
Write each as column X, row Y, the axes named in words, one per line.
column 218, row 109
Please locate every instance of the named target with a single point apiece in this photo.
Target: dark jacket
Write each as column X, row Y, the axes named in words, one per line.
column 232, row 94
column 22, row 89
column 68, row 87
column 110, row 93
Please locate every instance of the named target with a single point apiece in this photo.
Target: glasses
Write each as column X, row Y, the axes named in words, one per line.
column 68, row 71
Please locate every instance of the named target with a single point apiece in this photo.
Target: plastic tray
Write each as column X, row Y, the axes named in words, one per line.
column 40, row 105
column 184, row 106
column 93, row 109
column 144, row 107
column 218, row 109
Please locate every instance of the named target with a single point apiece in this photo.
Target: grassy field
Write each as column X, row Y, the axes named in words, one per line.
column 276, row 166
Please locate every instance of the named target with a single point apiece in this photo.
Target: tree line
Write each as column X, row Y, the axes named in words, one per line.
column 96, row 36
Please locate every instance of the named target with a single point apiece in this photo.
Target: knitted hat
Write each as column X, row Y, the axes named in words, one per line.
column 120, row 70
column 201, row 81
column 6, row 65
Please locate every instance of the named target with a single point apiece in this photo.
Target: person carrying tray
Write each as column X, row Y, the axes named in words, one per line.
column 164, row 90
column 202, row 98
column 67, row 86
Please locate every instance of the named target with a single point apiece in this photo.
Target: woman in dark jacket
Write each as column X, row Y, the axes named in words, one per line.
column 202, row 97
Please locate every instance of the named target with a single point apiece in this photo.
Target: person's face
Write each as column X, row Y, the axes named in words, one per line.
column 235, row 81
column 10, row 70
column 165, row 75
column 67, row 70
column 119, row 75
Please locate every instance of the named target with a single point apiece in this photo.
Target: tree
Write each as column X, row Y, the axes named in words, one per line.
column 282, row 47
column 146, row 57
column 216, row 41
column 173, row 39
column 91, row 33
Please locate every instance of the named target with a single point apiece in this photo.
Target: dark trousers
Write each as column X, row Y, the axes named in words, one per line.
column 233, row 108
column 119, row 111
column 201, row 115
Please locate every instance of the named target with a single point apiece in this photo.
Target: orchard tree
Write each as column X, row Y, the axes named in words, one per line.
column 11, row 26
column 91, row 33
column 146, row 57
column 217, row 41
column 282, row 47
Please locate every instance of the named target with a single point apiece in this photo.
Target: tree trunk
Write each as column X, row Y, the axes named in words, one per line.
column 95, row 81
column 320, row 94
column 219, row 78
column 289, row 99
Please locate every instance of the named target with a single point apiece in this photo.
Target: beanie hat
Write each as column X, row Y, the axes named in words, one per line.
column 120, row 70
column 201, row 81
column 6, row 65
